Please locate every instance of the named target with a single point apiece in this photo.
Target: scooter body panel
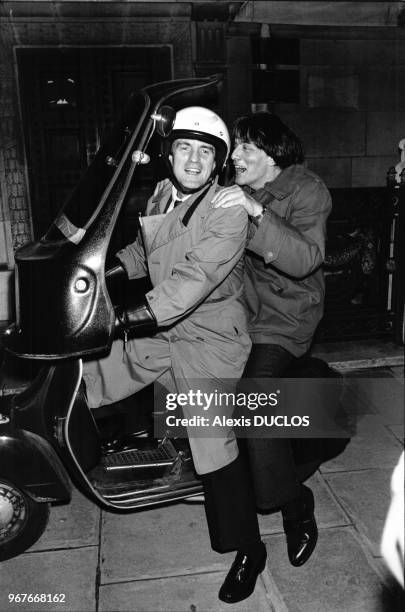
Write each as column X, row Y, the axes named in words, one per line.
column 30, row 462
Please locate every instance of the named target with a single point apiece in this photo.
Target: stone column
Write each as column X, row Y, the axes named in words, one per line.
column 239, row 77
column 6, row 251
column 15, row 217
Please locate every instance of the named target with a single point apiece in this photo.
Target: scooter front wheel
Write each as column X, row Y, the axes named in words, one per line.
column 22, row 520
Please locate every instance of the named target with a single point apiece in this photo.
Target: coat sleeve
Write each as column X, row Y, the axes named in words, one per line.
column 204, row 267
column 295, row 246
column 133, row 259
column 133, row 256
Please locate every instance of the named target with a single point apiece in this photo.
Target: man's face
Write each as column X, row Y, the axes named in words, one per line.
column 193, row 162
column 253, row 167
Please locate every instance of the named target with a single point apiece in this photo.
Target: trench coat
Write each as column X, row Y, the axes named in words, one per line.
column 196, row 272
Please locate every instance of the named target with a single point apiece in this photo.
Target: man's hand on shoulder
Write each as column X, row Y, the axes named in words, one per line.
column 235, row 196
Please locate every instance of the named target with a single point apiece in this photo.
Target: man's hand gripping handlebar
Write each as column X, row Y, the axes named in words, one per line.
column 134, row 318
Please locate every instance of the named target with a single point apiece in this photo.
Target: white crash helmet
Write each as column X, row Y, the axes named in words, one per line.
column 199, row 123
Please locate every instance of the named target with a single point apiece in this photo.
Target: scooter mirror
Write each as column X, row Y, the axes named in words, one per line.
column 139, row 157
column 164, row 120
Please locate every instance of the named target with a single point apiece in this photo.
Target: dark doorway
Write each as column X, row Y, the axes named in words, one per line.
column 69, row 98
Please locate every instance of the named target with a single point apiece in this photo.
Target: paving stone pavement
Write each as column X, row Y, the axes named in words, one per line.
column 160, row 559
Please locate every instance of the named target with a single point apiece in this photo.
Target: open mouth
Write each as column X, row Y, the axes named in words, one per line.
column 239, row 169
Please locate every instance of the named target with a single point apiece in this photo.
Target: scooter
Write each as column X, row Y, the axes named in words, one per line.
column 49, row 438
column 48, row 435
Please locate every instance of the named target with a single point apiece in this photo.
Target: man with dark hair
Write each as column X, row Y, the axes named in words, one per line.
column 288, row 206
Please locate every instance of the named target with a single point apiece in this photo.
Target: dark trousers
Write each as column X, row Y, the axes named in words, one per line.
column 230, row 508
column 272, row 463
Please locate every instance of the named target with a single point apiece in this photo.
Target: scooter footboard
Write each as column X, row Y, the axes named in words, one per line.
column 151, row 472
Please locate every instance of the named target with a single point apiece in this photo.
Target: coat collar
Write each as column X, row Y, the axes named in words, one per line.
column 282, row 186
column 162, row 196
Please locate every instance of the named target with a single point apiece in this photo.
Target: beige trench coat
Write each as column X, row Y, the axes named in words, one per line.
column 197, row 274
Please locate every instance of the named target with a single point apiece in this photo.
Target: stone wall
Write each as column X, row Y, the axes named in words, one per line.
column 351, row 117
column 15, row 217
column 14, row 196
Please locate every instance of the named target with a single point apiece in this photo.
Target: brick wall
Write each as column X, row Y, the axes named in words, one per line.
column 13, row 193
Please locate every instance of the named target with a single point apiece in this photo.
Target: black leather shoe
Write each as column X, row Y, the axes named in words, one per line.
column 241, row 579
column 301, row 531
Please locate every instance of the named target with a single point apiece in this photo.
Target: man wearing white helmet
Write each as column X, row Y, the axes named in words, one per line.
column 196, row 325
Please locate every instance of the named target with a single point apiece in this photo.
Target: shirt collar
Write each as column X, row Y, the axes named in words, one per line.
column 177, row 197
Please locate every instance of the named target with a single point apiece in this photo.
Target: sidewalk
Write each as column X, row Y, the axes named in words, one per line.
column 160, row 559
